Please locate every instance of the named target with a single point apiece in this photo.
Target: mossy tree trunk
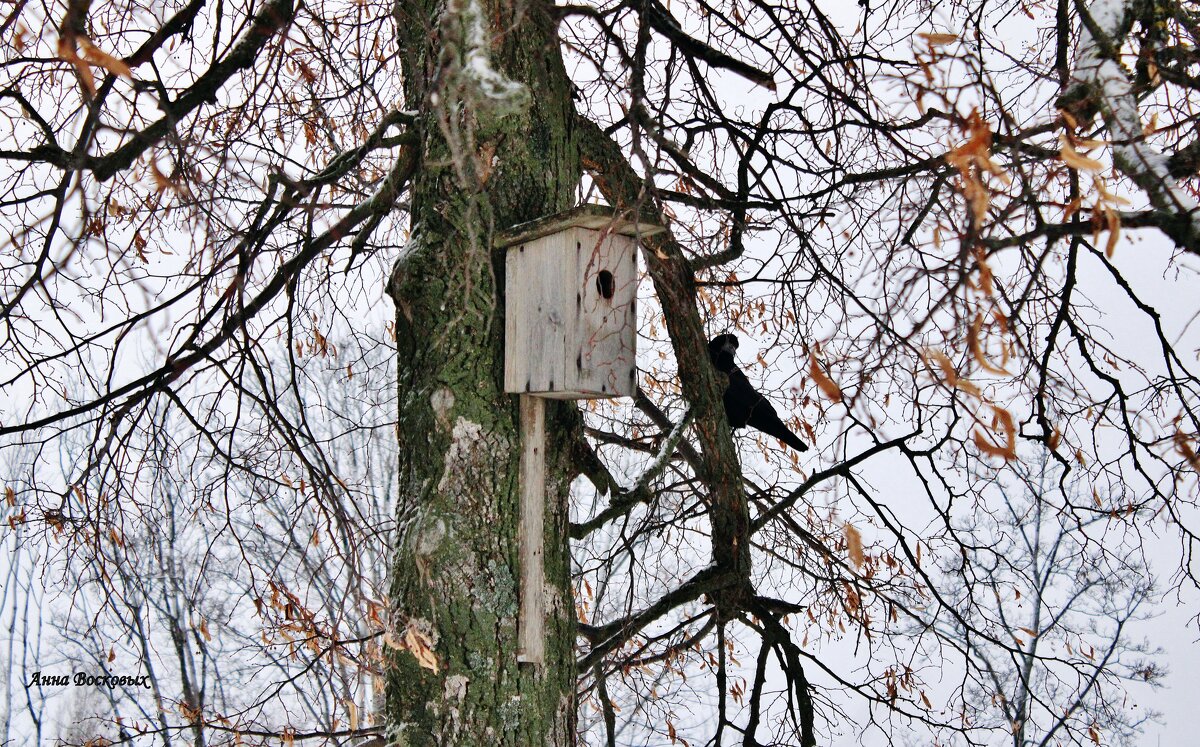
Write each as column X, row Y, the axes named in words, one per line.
column 493, row 100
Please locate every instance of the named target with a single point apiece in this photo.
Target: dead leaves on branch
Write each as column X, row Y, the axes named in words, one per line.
column 972, row 160
column 949, row 374
column 1184, row 448
column 935, row 40
column 1106, row 215
column 1106, row 219
column 1074, row 158
column 976, row 345
column 1002, row 422
column 999, row 437
column 82, row 54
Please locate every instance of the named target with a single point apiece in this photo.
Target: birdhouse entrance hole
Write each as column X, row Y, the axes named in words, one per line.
column 604, row 284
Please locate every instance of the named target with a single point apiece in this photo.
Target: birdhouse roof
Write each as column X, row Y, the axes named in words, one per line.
column 596, row 217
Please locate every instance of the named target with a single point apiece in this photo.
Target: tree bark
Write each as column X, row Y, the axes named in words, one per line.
column 492, row 154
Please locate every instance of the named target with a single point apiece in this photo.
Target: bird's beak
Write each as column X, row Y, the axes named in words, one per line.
column 729, row 348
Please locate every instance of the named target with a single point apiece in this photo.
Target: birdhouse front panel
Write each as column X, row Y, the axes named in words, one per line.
column 607, row 296
column 570, row 317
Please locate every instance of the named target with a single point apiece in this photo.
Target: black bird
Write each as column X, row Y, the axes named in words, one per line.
column 743, row 404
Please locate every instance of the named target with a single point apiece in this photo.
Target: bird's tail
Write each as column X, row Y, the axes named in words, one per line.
column 764, row 418
column 791, row 439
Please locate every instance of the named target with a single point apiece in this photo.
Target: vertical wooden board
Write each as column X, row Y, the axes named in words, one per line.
column 557, row 316
column 607, row 326
column 516, row 339
column 537, row 324
column 625, row 370
column 531, row 615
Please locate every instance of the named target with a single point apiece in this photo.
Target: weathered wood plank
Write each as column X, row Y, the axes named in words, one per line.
column 598, row 217
column 516, row 314
column 605, row 334
column 531, row 615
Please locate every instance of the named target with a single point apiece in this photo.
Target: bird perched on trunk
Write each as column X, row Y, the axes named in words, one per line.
column 743, row 404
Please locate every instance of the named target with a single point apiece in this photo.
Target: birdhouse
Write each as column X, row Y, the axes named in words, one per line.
column 570, row 332
column 570, row 324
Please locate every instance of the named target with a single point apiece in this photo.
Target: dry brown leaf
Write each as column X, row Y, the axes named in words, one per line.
column 827, row 386
column 978, row 144
column 972, row 157
column 942, row 361
column 1001, row 319
column 853, row 601
column 69, row 45
column 161, row 182
column 97, row 56
column 1105, row 195
column 985, row 273
column 853, row 544
column 1186, row 450
column 85, row 74
column 1072, row 208
column 976, row 347
column 1114, row 232
column 1075, row 159
column 937, row 39
column 1003, row 420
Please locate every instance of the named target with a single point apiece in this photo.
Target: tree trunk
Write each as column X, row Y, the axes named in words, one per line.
column 493, row 153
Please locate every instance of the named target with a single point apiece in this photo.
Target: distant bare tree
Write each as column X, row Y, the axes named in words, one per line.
column 1052, row 596
column 242, row 621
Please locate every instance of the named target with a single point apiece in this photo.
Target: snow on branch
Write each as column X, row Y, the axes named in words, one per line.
column 665, row 452
column 1099, row 73
column 483, row 83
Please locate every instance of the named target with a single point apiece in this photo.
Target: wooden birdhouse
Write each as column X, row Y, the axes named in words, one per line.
column 570, row 325
column 570, row 332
